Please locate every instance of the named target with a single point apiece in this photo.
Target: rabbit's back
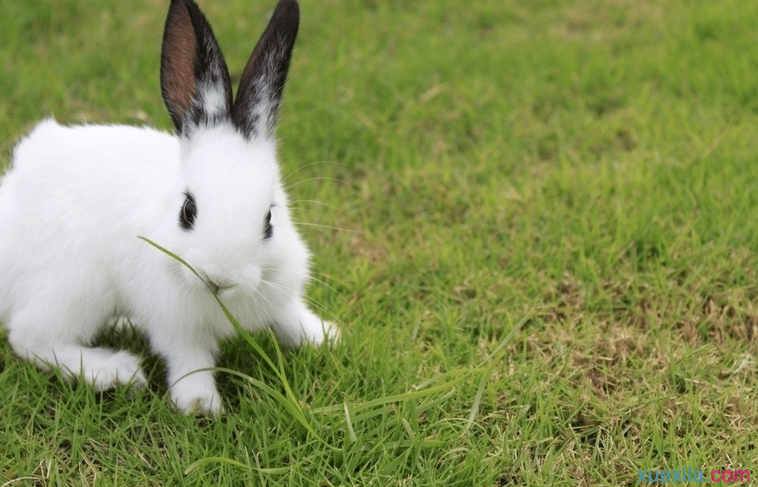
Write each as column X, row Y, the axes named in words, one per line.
column 75, row 198
column 87, row 176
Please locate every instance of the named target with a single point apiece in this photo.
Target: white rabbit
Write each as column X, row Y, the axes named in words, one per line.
column 76, row 199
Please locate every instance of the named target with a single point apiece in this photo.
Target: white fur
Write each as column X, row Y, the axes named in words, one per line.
column 71, row 209
column 213, row 101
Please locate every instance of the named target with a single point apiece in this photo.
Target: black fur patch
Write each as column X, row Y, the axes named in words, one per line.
column 188, row 212
column 268, row 230
column 192, row 65
column 262, row 82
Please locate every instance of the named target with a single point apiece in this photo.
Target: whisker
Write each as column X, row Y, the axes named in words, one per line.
column 300, row 209
column 327, row 227
column 320, row 307
column 327, row 285
column 308, row 299
column 334, row 163
column 289, row 289
column 314, row 202
column 259, row 313
column 277, row 286
column 317, row 178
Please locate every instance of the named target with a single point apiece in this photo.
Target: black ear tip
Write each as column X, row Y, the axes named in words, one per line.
column 182, row 3
column 287, row 10
column 178, row 6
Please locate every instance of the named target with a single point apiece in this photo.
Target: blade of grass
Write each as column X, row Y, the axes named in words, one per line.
column 204, row 461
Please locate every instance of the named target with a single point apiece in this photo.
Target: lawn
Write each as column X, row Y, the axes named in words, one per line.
column 534, row 221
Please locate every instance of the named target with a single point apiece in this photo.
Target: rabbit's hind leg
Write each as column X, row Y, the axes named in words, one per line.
column 62, row 345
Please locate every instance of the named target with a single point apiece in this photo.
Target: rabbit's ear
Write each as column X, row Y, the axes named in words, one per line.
column 256, row 107
column 194, row 79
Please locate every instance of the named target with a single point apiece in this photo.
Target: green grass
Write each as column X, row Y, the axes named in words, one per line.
column 587, row 166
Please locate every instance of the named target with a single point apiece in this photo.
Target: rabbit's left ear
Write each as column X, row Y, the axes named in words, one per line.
column 194, row 78
column 256, row 107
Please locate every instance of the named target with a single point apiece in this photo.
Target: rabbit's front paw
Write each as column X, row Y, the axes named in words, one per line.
column 299, row 324
column 326, row 331
column 193, row 398
column 208, row 404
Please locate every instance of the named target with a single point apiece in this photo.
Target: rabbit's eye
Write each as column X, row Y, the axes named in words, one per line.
column 188, row 213
column 268, row 230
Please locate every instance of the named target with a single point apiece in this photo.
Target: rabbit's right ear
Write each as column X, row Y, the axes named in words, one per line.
column 194, row 78
column 256, row 107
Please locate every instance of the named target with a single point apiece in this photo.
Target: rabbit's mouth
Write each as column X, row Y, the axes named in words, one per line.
column 228, row 284
column 219, row 286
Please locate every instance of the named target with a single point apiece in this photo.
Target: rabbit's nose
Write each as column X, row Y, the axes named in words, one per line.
column 217, row 285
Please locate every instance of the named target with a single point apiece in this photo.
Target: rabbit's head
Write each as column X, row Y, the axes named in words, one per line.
column 227, row 204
